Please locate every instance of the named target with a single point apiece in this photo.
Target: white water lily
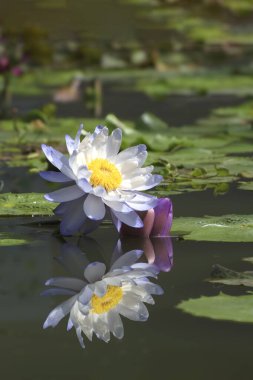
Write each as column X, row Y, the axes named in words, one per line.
column 104, row 179
column 99, row 299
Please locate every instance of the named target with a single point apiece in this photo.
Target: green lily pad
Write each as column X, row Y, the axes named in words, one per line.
column 221, row 307
column 246, row 185
column 25, row 204
column 227, row 228
column 11, row 242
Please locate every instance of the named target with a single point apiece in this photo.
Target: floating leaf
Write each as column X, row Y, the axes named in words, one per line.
column 222, row 307
column 230, row 228
column 25, row 204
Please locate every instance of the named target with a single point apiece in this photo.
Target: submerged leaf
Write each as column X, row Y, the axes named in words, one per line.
column 222, row 275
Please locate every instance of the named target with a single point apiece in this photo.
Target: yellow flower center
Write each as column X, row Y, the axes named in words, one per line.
column 111, row 298
column 105, row 174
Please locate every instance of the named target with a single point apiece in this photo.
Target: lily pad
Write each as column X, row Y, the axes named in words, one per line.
column 246, row 185
column 221, row 307
column 227, row 228
column 25, row 204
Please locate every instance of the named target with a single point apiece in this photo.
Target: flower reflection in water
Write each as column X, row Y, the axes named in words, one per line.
column 98, row 298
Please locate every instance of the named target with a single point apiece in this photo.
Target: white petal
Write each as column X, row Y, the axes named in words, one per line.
column 149, row 286
column 94, row 271
column 129, row 153
column 79, row 336
column 100, row 288
column 117, row 206
column 114, row 142
column 152, row 181
column 139, row 313
column 127, row 259
column 94, row 208
column 115, row 324
column 101, row 328
column 131, row 219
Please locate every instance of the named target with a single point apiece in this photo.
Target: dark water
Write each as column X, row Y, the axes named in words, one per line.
column 176, row 110
column 170, row 344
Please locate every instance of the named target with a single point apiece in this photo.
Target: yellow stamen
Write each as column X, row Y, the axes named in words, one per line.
column 105, row 174
column 111, row 298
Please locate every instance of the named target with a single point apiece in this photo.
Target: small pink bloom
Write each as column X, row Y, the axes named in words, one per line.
column 4, row 64
column 16, row 71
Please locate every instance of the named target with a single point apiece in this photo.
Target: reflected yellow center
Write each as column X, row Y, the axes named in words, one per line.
column 111, row 298
column 105, row 174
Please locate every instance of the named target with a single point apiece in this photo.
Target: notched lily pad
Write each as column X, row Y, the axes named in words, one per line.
column 221, row 307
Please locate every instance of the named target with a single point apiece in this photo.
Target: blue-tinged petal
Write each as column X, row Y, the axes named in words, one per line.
column 66, row 282
column 85, row 295
column 117, row 223
column 59, row 313
column 55, row 176
column 58, row 160
column 64, row 195
column 73, row 218
column 127, row 259
column 131, row 219
column 70, row 324
column 94, row 208
column 89, row 226
column 70, row 144
column 84, row 185
column 58, row 292
column 94, row 271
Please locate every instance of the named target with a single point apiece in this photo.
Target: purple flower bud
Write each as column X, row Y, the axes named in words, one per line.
column 163, row 218
column 156, row 221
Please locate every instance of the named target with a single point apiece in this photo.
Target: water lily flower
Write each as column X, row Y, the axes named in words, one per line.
column 104, row 180
column 156, row 221
column 98, row 300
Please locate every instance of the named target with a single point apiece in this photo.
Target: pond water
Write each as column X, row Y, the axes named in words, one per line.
column 171, row 343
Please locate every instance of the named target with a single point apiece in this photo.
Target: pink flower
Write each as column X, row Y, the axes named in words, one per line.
column 16, row 71
column 157, row 221
column 4, row 64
